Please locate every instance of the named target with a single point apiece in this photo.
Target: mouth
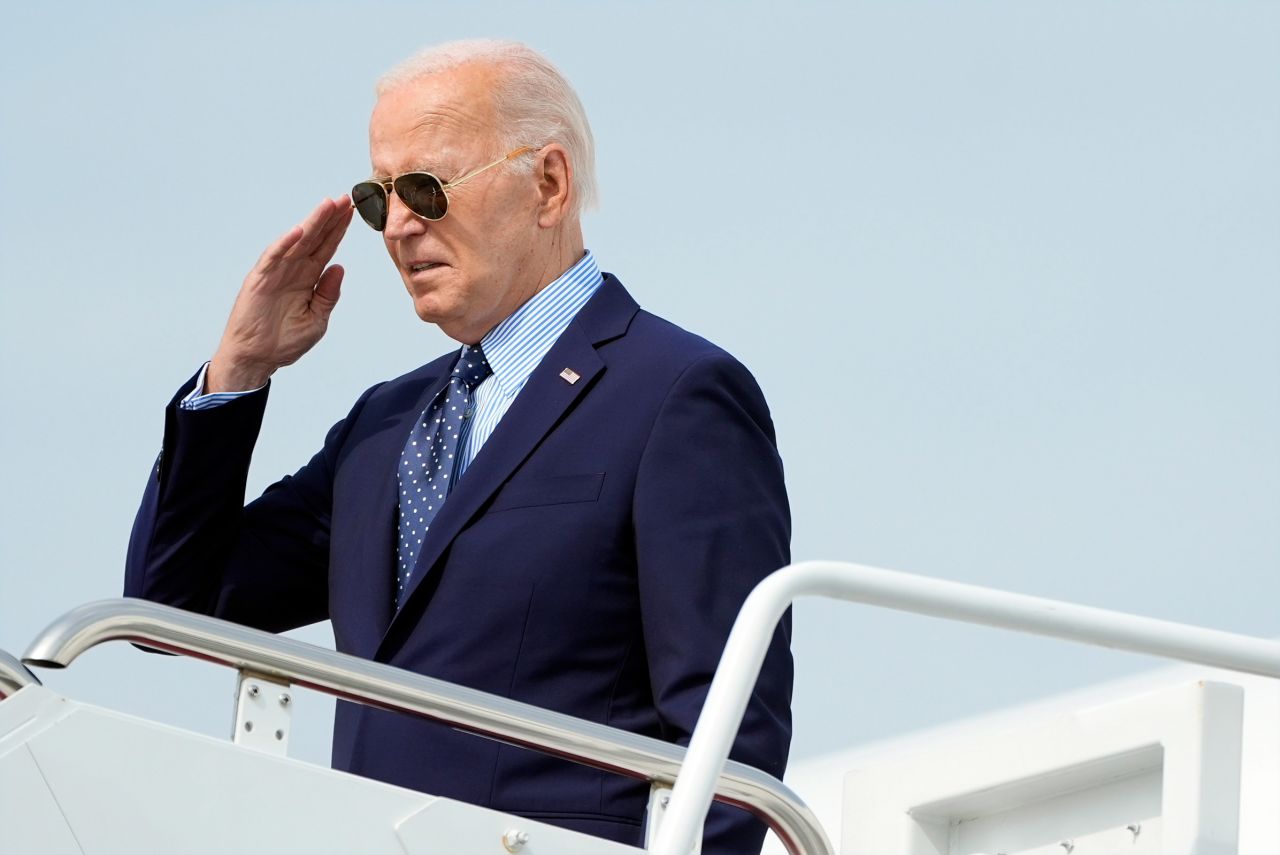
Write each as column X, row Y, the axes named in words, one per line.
column 419, row 266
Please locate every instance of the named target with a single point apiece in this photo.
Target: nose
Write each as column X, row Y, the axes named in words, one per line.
column 401, row 222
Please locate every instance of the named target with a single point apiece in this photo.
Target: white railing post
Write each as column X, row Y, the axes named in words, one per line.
column 744, row 653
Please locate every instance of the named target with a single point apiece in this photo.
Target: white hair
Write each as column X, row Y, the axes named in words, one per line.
column 534, row 102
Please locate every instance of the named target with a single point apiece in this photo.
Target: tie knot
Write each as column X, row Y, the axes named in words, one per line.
column 471, row 367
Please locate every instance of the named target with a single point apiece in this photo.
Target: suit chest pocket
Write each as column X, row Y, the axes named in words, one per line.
column 554, row 490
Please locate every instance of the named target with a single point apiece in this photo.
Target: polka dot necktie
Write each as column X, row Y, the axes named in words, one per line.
column 429, row 463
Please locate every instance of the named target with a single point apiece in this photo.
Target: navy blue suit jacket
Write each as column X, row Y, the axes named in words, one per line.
column 591, row 560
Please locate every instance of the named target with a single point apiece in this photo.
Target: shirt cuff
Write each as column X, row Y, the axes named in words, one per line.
column 197, row 399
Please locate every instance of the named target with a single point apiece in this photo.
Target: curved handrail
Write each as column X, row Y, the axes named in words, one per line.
column 14, row 675
column 744, row 652
column 373, row 683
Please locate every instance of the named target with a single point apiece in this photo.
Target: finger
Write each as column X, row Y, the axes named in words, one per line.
column 316, row 226
column 272, row 254
column 298, row 234
column 337, row 230
column 339, row 220
column 327, row 292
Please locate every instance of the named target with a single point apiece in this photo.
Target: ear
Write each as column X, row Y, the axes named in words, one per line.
column 555, row 185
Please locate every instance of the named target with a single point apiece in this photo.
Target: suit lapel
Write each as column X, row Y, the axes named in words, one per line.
column 543, row 401
column 370, row 589
column 537, row 409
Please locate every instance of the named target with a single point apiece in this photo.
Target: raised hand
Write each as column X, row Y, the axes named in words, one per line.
column 283, row 306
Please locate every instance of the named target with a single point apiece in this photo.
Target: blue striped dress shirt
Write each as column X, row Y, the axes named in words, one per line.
column 514, row 348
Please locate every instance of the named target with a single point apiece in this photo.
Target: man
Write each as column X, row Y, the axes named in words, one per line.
column 568, row 511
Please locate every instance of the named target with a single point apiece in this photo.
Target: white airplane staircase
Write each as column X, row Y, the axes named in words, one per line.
column 75, row 778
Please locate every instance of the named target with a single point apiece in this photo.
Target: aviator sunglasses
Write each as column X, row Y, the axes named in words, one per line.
column 421, row 192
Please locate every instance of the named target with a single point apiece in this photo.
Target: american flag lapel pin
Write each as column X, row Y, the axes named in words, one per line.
column 570, row 376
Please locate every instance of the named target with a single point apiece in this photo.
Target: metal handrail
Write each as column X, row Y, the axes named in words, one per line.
column 373, row 683
column 14, row 675
column 744, row 652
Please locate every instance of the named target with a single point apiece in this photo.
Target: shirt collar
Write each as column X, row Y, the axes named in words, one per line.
column 516, row 346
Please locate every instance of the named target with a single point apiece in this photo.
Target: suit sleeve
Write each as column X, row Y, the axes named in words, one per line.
column 197, row 546
column 711, row 521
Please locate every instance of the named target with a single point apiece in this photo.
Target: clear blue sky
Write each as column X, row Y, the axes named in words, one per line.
column 1007, row 272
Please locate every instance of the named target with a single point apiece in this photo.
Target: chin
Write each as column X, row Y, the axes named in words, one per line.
column 426, row 313
column 430, row 311
column 426, row 302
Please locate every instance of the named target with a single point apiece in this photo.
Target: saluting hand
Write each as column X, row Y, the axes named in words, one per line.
column 284, row 304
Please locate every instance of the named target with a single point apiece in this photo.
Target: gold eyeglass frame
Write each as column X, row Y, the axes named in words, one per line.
column 387, row 186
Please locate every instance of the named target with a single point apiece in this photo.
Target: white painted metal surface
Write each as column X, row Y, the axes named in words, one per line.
column 820, row 779
column 264, row 712
column 1166, row 762
column 77, row 779
column 446, row 827
column 656, row 813
column 744, row 653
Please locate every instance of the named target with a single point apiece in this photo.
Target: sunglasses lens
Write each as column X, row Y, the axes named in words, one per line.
column 370, row 199
column 421, row 193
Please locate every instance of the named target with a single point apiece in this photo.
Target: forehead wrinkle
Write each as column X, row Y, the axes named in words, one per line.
column 445, row 117
column 447, row 114
column 449, row 128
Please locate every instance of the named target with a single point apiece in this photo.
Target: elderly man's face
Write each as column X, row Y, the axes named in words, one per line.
column 470, row 270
